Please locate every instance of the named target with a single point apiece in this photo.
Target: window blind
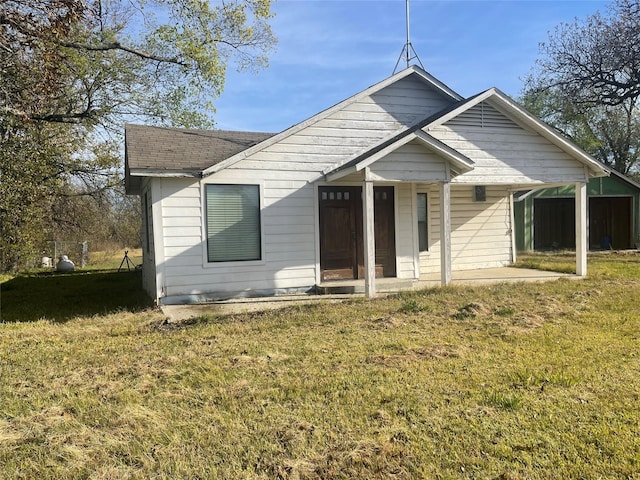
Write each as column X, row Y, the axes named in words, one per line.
column 233, row 222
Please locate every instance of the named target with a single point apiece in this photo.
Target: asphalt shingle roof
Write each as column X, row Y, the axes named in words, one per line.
column 183, row 150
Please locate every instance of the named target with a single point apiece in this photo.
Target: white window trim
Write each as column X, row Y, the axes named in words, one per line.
column 203, row 225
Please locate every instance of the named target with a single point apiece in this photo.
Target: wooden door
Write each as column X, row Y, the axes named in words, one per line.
column 341, row 232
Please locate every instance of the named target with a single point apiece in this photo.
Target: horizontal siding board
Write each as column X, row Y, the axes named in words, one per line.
column 285, row 211
column 179, row 212
column 366, row 125
column 194, row 262
column 182, row 221
column 179, row 251
column 267, row 174
column 306, row 137
column 182, row 241
column 282, row 244
column 181, row 202
column 346, row 134
column 291, row 229
column 182, row 231
column 226, row 282
column 283, row 220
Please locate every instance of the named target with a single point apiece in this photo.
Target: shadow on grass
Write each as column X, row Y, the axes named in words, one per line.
column 60, row 297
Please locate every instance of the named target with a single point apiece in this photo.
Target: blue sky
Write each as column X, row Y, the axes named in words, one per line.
column 331, row 49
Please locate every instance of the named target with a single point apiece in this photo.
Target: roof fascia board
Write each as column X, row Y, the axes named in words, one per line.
column 436, row 83
column 163, row 173
column 325, row 113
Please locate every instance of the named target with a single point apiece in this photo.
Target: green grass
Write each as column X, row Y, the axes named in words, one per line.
column 511, row 381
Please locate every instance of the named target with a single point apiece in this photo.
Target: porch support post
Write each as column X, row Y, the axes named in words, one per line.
column 445, row 233
column 581, row 229
column 369, row 238
column 512, row 229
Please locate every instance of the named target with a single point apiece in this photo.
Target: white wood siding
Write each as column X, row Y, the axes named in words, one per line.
column 288, row 240
column 504, row 152
column 480, row 231
column 409, row 163
column 348, row 132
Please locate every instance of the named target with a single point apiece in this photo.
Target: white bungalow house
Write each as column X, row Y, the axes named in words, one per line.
column 405, row 179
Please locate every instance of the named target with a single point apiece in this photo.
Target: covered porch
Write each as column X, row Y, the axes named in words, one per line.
column 458, row 150
column 451, row 238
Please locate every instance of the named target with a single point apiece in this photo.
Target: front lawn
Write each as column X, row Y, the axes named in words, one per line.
column 512, row 381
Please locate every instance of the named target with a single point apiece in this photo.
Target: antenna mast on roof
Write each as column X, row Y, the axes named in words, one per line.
column 408, row 52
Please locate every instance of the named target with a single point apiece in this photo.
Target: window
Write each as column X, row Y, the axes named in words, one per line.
column 479, row 193
column 233, row 223
column 423, row 226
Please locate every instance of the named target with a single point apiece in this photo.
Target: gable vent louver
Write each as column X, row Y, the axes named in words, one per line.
column 483, row 115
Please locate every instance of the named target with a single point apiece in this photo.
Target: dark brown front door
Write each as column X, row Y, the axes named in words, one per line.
column 341, row 233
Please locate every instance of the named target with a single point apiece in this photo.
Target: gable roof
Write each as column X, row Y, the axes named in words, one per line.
column 412, row 70
column 507, row 106
column 164, row 151
column 511, row 109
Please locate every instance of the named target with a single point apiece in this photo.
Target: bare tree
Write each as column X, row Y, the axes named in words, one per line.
column 586, row 83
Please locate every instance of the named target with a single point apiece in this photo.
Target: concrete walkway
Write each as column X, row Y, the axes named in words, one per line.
column 177, row 313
